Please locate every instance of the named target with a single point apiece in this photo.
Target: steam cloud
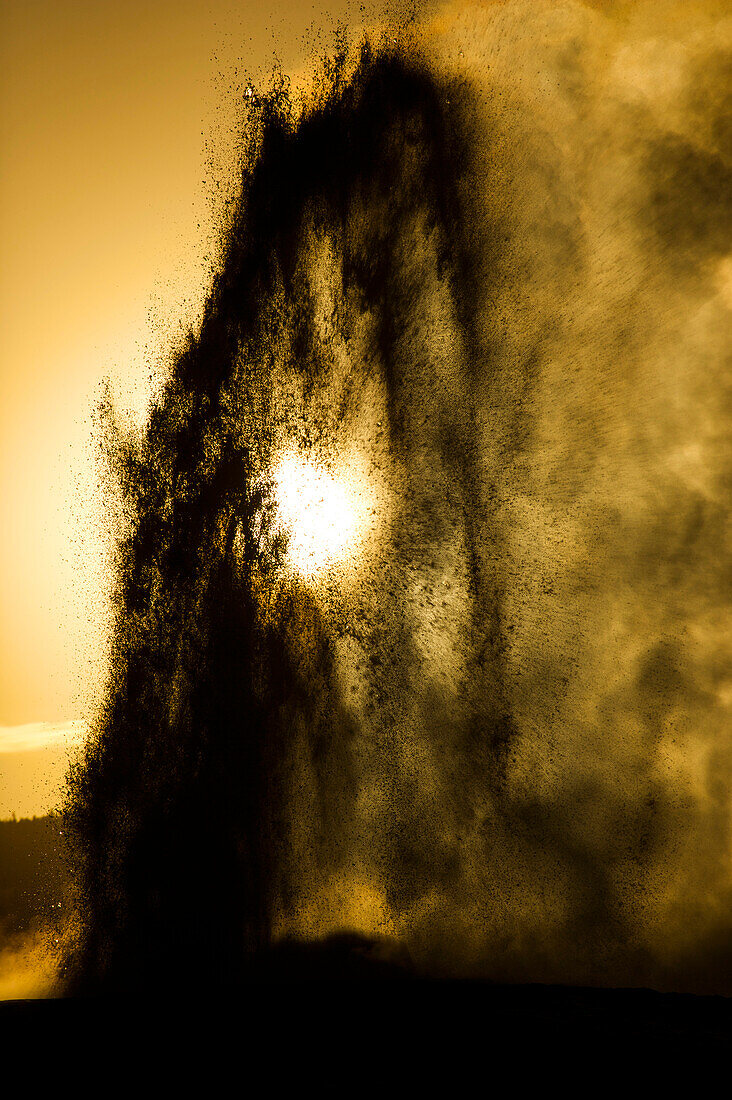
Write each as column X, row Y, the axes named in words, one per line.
column 489, row 263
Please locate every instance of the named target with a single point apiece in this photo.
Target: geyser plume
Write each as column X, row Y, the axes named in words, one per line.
column 423, row 608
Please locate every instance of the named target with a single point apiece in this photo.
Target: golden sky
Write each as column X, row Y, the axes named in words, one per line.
column 118, row 121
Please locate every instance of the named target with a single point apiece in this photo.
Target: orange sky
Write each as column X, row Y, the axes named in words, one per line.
column 117, row 121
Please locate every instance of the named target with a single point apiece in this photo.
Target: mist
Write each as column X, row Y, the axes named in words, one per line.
column 480, row 271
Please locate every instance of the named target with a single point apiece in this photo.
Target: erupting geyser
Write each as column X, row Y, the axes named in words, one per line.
column 423, row 602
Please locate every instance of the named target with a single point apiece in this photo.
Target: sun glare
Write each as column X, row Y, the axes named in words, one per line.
column 324, row 514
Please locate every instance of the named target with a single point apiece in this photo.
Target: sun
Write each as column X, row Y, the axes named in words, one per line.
column 325, row 511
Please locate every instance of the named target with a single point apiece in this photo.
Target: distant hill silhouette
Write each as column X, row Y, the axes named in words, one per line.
column 33, row 876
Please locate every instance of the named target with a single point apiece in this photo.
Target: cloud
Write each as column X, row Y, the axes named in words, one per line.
column 34, row 736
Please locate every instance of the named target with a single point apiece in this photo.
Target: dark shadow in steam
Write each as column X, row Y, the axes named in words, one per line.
column 182, row 808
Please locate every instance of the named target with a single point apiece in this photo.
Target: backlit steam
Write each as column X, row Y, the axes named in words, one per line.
column 470, row 687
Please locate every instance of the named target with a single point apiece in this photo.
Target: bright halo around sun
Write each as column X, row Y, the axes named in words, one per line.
column 326, row 513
